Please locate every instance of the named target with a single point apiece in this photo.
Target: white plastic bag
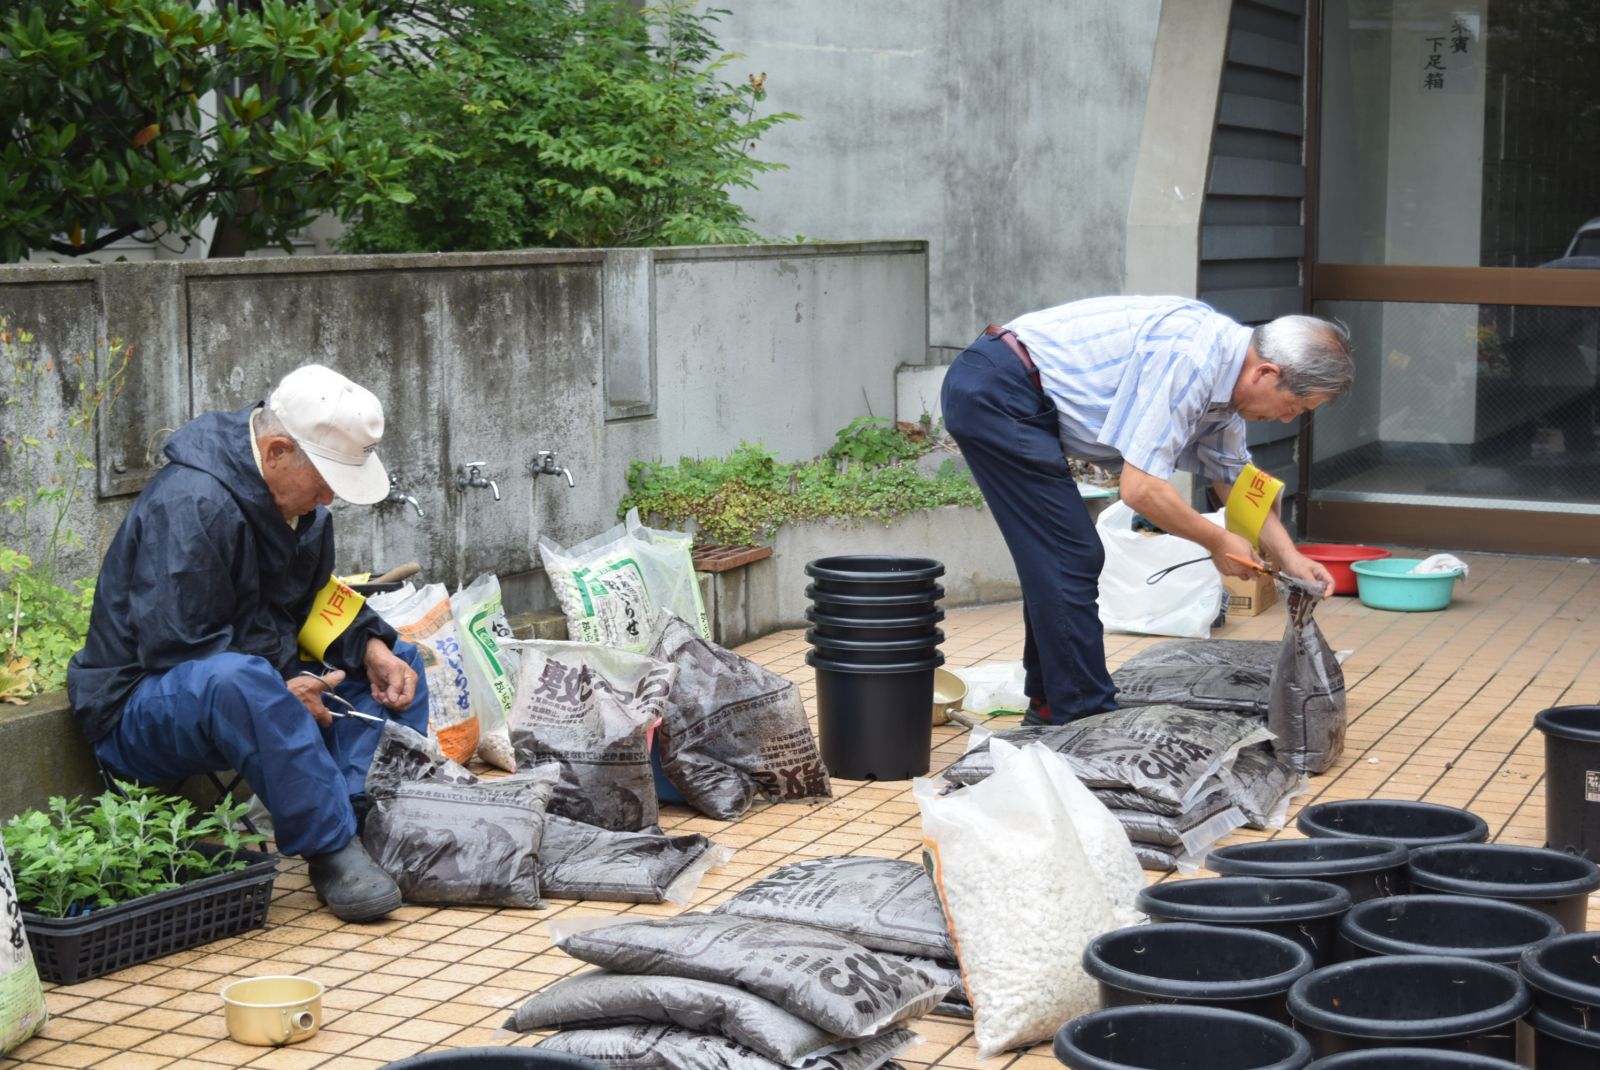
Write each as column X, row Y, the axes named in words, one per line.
column 1029, row 867
column 1183, row 603
column 611, row 586
column 422, row 616
column 994, row 687
column 491, row 670
column 22, row 1010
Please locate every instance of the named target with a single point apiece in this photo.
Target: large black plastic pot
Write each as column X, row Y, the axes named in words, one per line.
column 875, row 606
column 1367, row 869
column 872, row 720
column 1158, row 1037
column 1414, row 824
column 1571, row 794
column 1410, row 1059
column 874, row 574
column 494, row 1059
column 1564, row 976
column 1304, row 911
column 1556, row 883
column 827, row 626
column 1236, row 969
column 1559, row 1045
column 1428, row 1000
column 1484, row 929
column 876, row 652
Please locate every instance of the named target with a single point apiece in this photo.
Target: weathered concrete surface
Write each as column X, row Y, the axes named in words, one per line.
column 1004, row 132
column 42, row 754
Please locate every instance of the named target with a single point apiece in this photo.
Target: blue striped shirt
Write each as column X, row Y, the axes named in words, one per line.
column 1146, row 380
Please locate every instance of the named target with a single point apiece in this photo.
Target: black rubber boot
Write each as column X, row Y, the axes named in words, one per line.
column 1037, row 715
column 352, row 885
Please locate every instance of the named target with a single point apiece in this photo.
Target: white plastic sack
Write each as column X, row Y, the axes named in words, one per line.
column 1183, row 603
column 422, row 616
column 994, row 687
column 491, row 670
column 22, row 1011
column 1030, row 867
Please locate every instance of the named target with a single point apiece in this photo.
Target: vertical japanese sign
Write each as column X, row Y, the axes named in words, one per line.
column 1449, row 55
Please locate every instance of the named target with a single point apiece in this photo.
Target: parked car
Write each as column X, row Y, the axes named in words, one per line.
column 1584, row 243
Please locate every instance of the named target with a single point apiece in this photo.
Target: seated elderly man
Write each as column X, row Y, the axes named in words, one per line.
column 195, row 659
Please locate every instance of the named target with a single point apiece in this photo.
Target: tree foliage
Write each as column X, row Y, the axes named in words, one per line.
column 122, row 116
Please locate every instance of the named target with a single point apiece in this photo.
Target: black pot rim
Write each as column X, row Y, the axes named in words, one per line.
column 1570, row 1032
column 1540, row 976
column 1318, row 1017
column 1167, row 988
column 828, row 620
column 917, row 568
column 1475, row 829
column 1436, row 1057
column 886, row 669
column 932, row 594
column 1151, row 1016
column 1378, row 855
column 1553, row 889
column 1504, row 955
column 1552, row 722
column 1335, row 901
column 934, row 637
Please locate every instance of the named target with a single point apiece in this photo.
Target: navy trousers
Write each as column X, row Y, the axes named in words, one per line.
column 1008, row 433
column 232, row 711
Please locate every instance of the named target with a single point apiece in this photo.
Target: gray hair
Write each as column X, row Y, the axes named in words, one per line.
column 267, row 424
column 1312, row 355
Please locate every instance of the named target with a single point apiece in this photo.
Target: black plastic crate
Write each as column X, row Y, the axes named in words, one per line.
column 69, row 950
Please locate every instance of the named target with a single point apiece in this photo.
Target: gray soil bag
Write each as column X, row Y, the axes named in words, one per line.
column 578, row 861
column 732, row 731
column 1233, row 675
column 1191, row 833
column 1262, row 787
column 1306, row 711
column 883, row 904
column 668, row 1047
column 1123, row 799
column 833, row 983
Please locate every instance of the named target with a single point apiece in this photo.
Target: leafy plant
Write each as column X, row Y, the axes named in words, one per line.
column 76, row 856
column 748, row 495
column 42, row 622
column 873, row 441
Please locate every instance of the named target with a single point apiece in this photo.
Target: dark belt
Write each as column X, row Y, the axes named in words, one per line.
column 1014, row 344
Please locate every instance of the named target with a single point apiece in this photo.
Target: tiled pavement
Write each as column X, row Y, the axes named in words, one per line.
column 1440, row 704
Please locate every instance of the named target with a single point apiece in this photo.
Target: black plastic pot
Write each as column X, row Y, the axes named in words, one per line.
column 875, row 606
column 874, row 574
column 1414, row 824
column 494, row 1059
column 1571, row 798
column 1564, row 976
column 1304, row 911
column 1428, row 1000
column 1410, row 1059
column 1484, row 929
column 827, row 626
column 1178, row 1038
column 872, row 720
column 1205, row 965
column 876, row 652
column 1367, row 869
column 1559, row 1045
column 1556, row 883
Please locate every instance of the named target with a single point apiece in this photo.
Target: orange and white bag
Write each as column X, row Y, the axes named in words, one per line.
column 423, row 617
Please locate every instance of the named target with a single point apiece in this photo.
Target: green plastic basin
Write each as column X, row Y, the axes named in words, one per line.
column 1390, row 584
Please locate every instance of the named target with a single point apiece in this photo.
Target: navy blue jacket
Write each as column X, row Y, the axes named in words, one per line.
column 204, row 564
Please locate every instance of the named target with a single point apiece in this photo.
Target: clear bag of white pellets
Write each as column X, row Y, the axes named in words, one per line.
column 1029, row 867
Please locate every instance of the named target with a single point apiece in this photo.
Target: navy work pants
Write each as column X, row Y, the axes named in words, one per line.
column 1009, row 436
column 232, row 711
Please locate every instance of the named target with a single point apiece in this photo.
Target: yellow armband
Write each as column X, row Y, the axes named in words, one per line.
column 1250, row 502
column 332, row 611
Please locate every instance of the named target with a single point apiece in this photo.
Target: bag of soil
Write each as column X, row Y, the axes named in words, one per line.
column 1192, row 833
column 668, row 1047
column 403, row 757
column 883, row 904
column 491, row 672
column 578, row 861
column 977, row 764
column 833, row 983
column 1233, row 675
column 1123, row 799
column 1262, row 787
column 589, row 709
column 1159, row 859
column 1306, row 711
column 22, row 1009
column 732, row 730
column 423, row 617
column 597, row 999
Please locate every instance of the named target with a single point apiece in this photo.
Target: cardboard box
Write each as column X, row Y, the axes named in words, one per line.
column 1246, row 598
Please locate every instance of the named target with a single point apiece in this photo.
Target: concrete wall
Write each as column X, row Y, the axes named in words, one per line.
column 1004, row 132
column 604, row 356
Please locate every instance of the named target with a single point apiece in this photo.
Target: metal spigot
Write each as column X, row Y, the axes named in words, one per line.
column 544, row 464
column 470, row 475
column 397, row 495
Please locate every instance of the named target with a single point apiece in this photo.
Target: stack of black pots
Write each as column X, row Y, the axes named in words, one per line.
column 875, row 639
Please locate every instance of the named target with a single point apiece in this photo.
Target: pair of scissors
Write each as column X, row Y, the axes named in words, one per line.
column 349, row 710
column 1278, row 576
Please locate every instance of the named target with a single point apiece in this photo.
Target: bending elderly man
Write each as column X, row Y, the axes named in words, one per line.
column 1148, row 385
column 193, row 661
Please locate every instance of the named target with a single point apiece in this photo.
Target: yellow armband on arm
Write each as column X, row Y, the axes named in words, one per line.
column 333, row 610
column 1250, row 502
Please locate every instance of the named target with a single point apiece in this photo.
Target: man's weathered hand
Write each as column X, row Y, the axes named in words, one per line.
column 394, row 683
column 1239, row 546
column 309, row 689
column 1302, row 567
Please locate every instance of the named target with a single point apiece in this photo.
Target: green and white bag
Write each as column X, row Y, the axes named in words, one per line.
column 22, row 1010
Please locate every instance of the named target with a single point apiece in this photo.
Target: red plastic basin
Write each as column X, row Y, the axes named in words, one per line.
column 1337, row 559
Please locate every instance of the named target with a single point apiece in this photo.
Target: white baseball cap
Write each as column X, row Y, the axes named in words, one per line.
column 338, row 424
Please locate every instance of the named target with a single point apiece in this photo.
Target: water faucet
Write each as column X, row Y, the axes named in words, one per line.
column 544, row 464
column 470, row 475
column 398, row 495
